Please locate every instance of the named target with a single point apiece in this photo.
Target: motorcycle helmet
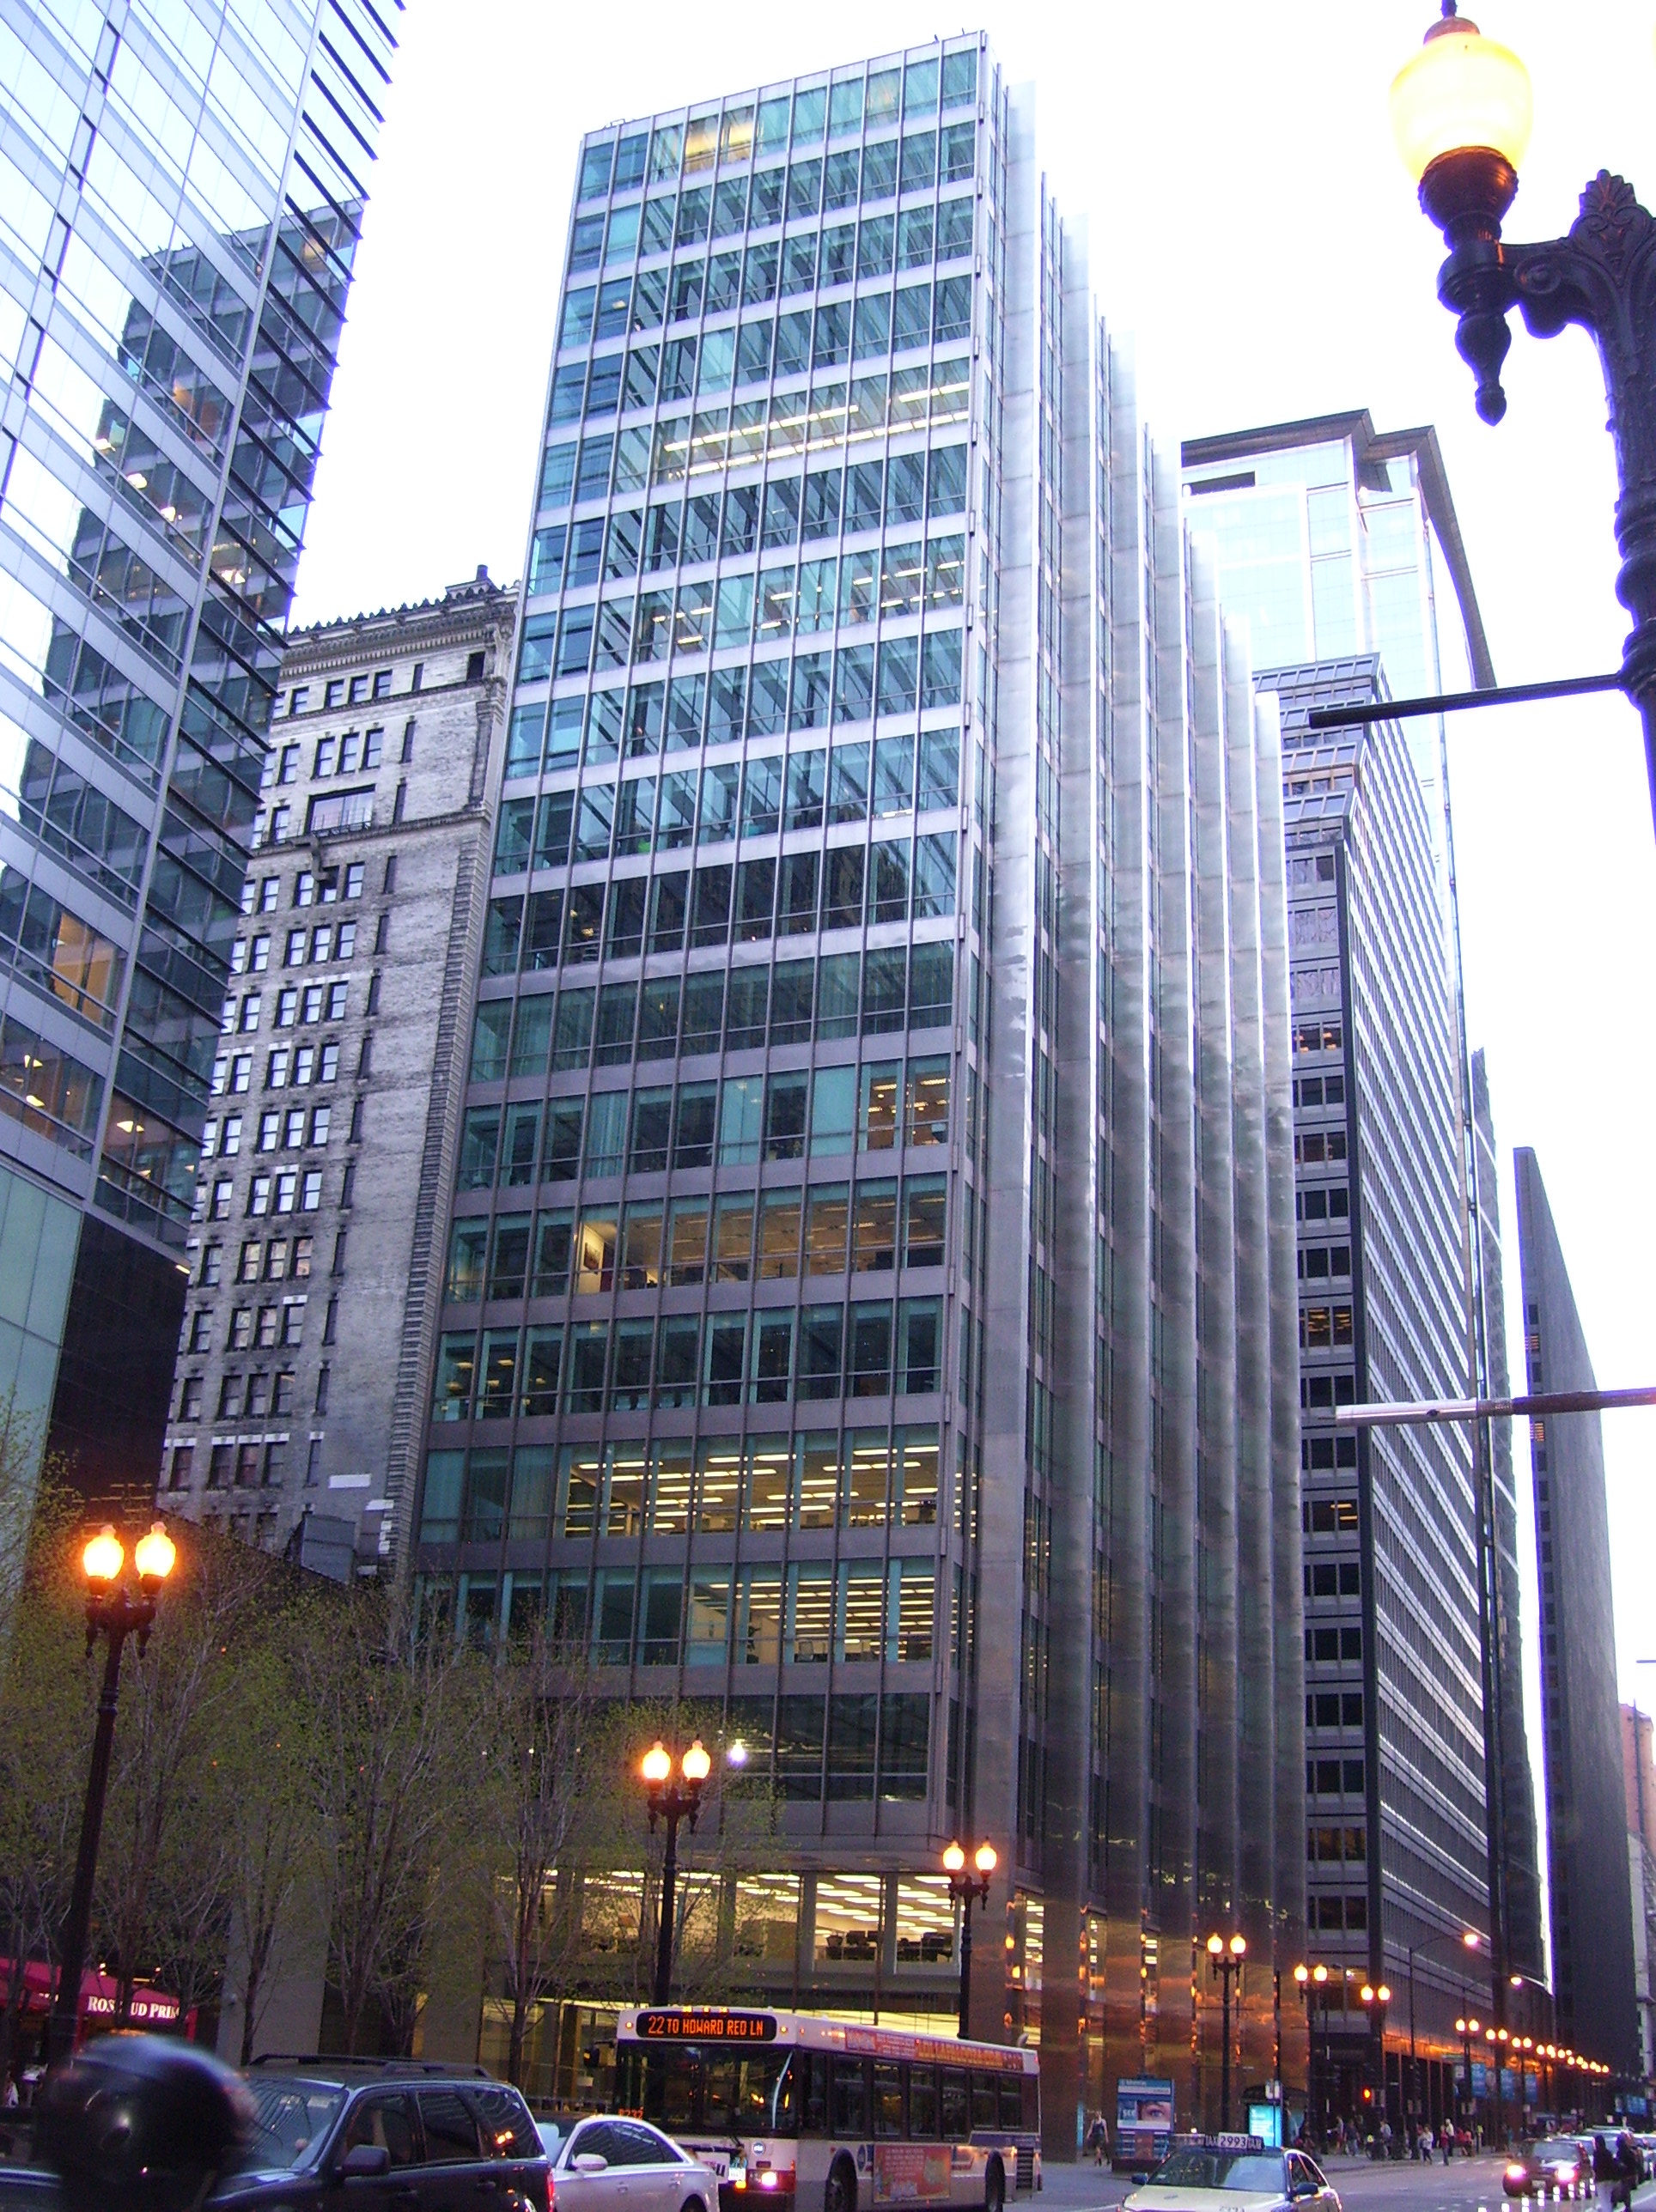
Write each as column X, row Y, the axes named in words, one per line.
column 142, row 2122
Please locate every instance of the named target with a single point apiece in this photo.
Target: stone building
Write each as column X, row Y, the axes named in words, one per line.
column 297, row 1400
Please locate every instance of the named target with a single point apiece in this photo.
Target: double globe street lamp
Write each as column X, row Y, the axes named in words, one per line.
column 671, row 1800
column 1313, row 1986
column 967, row 1887
column 115, row 1611
column 1375, row 1998
column 1461, row 114
column 1225, row 1964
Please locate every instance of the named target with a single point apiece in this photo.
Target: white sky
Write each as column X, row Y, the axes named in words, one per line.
column 1251, row 225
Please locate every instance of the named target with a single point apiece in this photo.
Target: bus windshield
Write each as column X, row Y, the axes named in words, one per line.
column 693, row 2086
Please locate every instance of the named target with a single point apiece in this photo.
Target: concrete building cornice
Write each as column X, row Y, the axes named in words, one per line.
column 469, row 611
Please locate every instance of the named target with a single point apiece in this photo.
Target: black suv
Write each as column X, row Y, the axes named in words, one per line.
column 371, row 2136
column 387, row 2132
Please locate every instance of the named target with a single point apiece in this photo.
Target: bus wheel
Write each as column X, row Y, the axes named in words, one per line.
column 995, row 2187
column 840, row 2194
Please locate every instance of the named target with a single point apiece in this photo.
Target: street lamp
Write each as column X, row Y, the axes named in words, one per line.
column 1461, row 115
column 114, row 1611
column 1313, row 1983
column 672, row 1802
column 963, row 1889
column 1466, row 2029
column 1469, row 1939
column 1376, row 1997
column 1225, row 1964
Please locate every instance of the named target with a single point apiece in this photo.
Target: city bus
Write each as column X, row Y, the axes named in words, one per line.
column 813, row 2114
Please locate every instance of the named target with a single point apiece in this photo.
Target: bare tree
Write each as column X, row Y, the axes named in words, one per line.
column 379, row 1769
column 47, row 1704
column 546, row 1747
column 176, row 1698
column 267, row 1809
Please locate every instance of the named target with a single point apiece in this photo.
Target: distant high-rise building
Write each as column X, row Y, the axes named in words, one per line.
column 869, row 1315
column 1639, row 1778
column 1394, row 1706
column 328, row 1153
column 1332, row 538
column 1588, row 1893
column 1519, row 1859
column 180, row 219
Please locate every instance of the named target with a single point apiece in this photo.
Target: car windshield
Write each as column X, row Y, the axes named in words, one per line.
column 1557, row 2154
column 1238, row 2171
column 293, row 2116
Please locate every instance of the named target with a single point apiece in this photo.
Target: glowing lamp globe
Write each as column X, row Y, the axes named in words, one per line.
column 984, row 1859
column 1319, row 1973
column 157, row 1555
column 954, row 1858
column 696, row 1762
column 656, row 1765
column 1384, row 1994
column 1238, row 1945
column 1461, row 92
column 103, row 1558
column 1302, row 1976
column 1215, row 1945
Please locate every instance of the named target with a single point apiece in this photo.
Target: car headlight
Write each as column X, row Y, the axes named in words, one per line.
column 1517, row 2173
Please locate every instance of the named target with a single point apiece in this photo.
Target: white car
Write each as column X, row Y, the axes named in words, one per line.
column 1214, row 2177
column 613, row 2164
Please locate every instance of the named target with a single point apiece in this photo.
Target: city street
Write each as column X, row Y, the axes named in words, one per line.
column 1468, row 2185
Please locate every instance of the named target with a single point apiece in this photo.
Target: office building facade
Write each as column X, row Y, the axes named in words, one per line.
column 877, row 1143
column 1588, row 1891
column 298, row 1395
column 178, row 225
column 1394, row 1708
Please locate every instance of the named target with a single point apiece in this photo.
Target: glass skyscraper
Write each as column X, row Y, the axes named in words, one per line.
column 870, row 1313
column 180, row 192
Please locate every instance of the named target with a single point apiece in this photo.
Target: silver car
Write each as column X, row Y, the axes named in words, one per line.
column 618, row 2165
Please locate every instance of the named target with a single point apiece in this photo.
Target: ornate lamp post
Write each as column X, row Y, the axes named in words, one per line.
column 1466, row 2029
column 672, row 1802
column 114, row 1611
column 1313, row 1984
column 1225, row 1964
column 963, row 1889
column 1461, row 114
column 1375, row 1998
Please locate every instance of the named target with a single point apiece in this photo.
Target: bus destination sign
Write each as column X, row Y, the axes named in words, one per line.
column 687, row 2025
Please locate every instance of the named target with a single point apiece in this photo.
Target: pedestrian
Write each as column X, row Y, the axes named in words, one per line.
column 1096, row 2139
column 1629, row 2172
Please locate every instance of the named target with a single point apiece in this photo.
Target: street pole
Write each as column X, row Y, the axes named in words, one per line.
column 61, row 2040
column 114, row 1613
column 1224, row 2056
